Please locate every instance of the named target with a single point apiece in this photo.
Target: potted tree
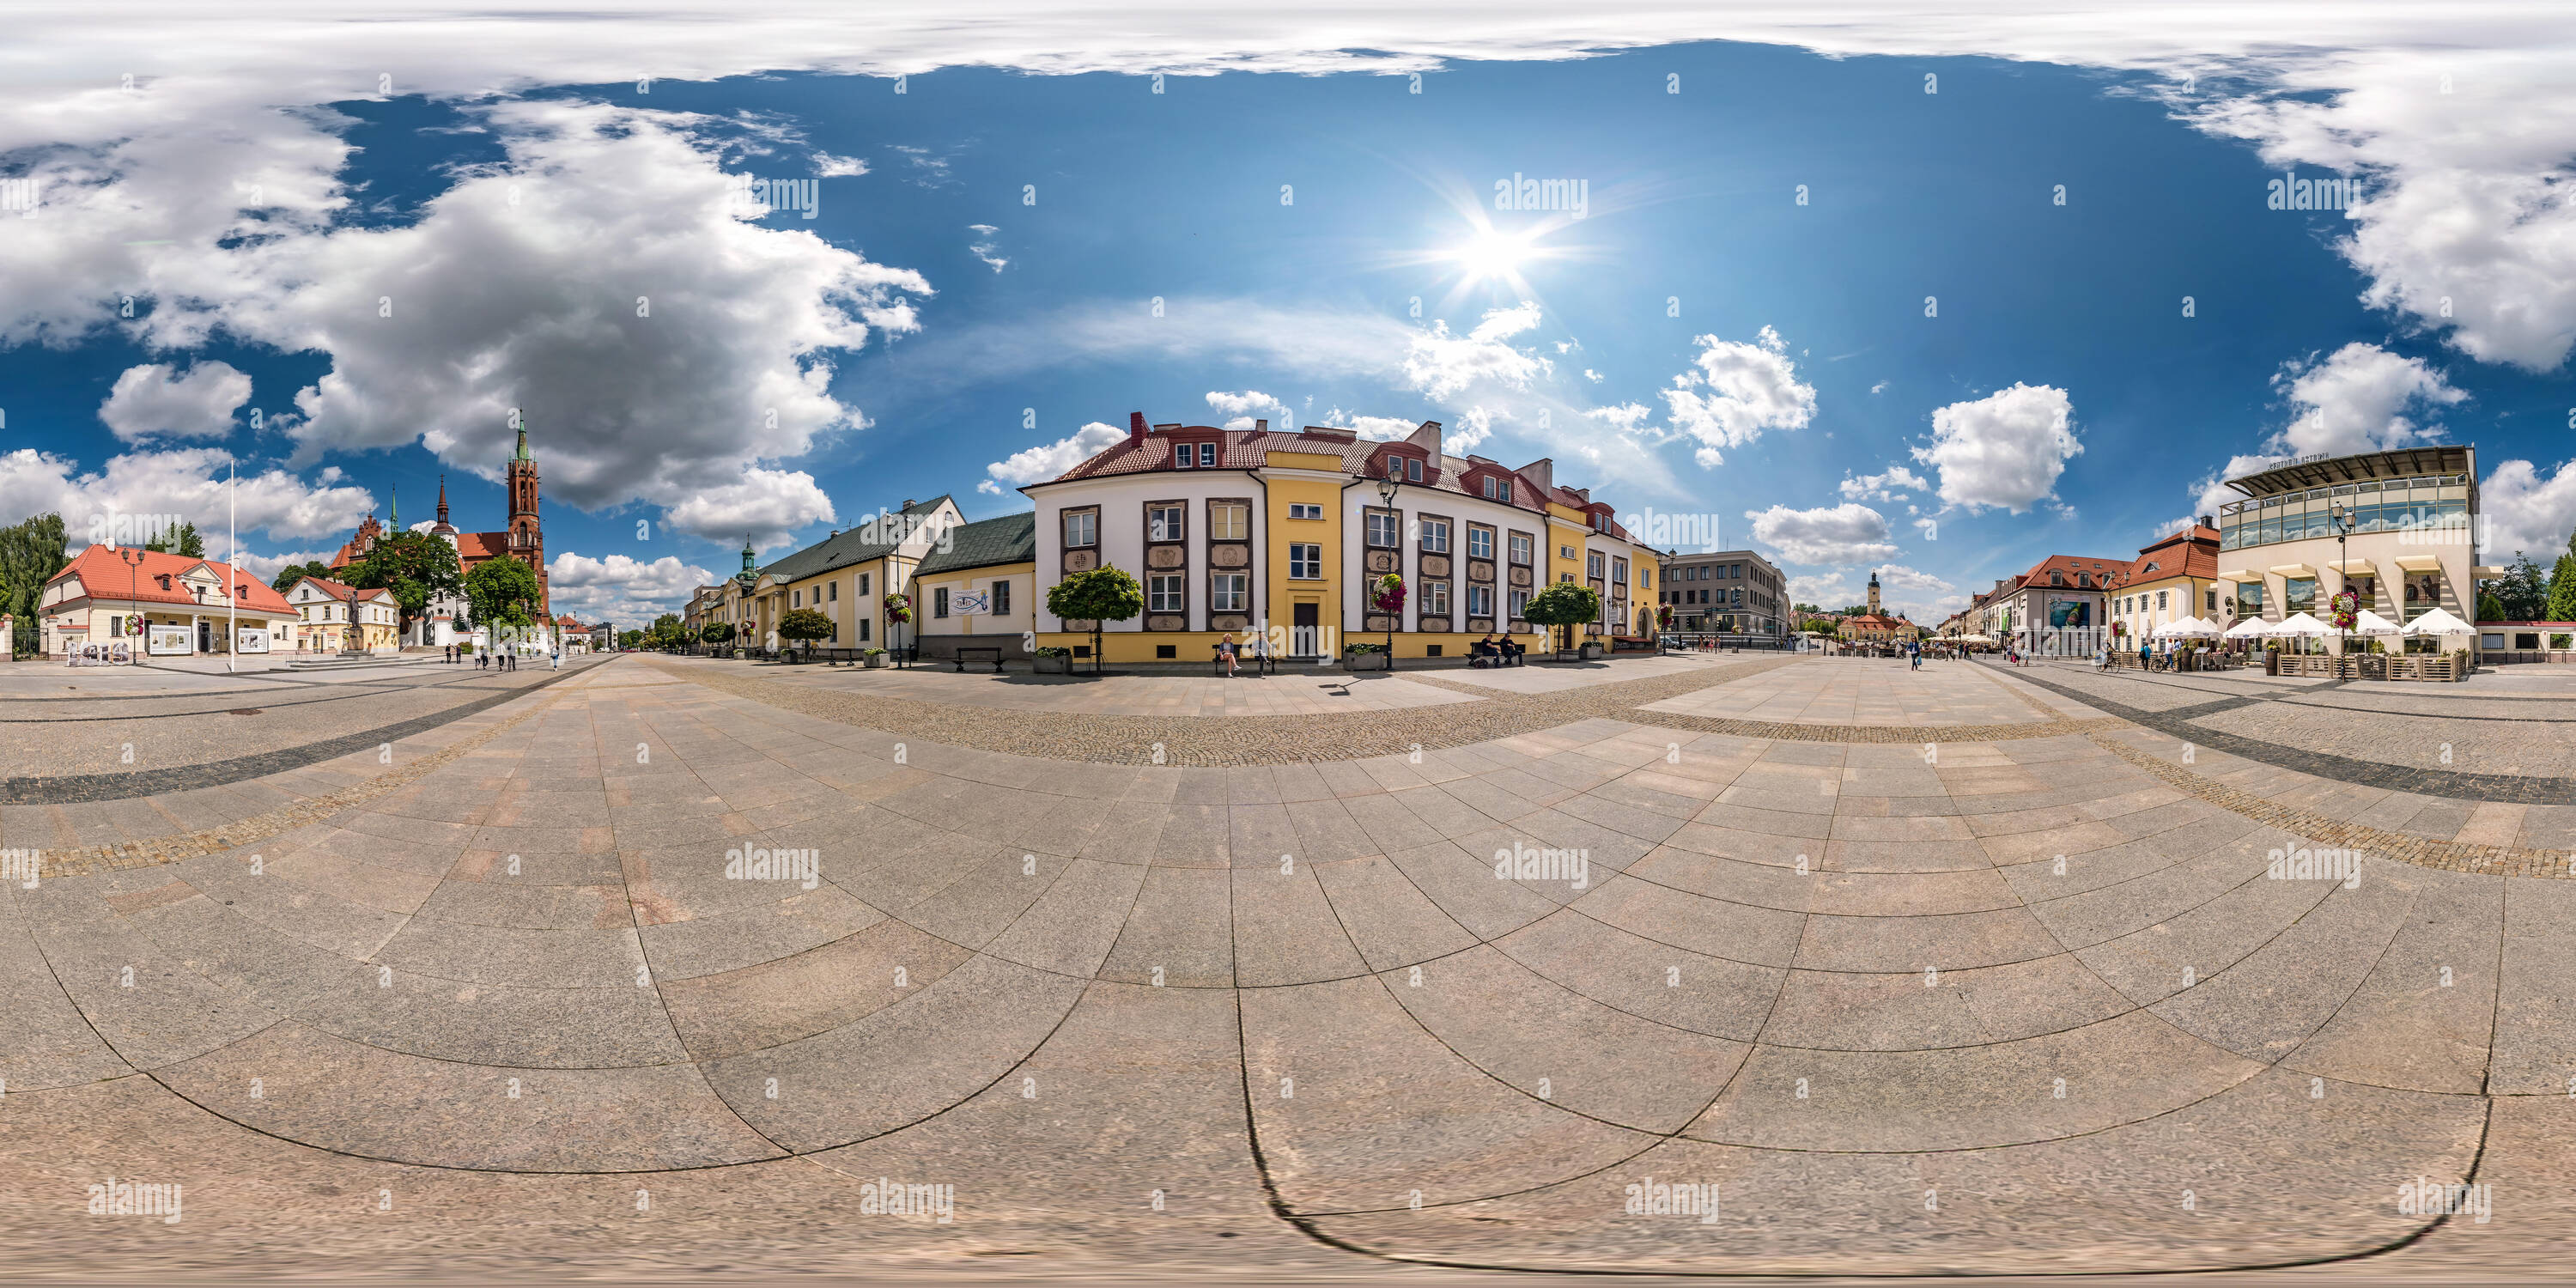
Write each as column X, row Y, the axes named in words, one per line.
column 1565, row 604
column 1103, row 594
column 804, row 625
column 716, row 632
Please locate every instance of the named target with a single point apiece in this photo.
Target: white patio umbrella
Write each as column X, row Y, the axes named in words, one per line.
column 2367, row 622
column 2299, row 626
column 2250, row 628
column 2189, row 628
column 2438, row 621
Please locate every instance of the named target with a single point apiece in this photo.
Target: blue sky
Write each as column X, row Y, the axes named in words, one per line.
column 976, row 294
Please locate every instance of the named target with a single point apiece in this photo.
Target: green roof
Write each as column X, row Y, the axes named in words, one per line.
column 843, row 549
column 1013, row 538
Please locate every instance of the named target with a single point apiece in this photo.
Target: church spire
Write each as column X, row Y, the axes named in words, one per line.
column 394, row 516
column 523, row 441
column 442, row 498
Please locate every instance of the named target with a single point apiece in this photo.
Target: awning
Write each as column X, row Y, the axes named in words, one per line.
column 2420, row 563
column 2250, row 628
column 2293, row 570
column 2299, row 626
column 2352, row 567
column 2489, row 570
column 2240, row 574
column 2367, row 622
column 2436, row 621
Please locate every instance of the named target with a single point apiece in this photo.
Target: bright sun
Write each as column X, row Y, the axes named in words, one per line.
column 1491, row 254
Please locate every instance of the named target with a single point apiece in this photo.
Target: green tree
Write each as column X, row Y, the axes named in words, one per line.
column 2562, row 586
column 631, row 639
column 1104, row 594
column 2490, row 608
column 1564, row 604
column 293, row 573
column 415, row 568
column 182, row 538
column 804, row 625
column 31, row 551
column 2524, row 592
column 504, row 593
column 716, row 632
column 667, row 631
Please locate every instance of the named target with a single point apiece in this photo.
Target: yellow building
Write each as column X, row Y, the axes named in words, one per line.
column 1283, row 536
column 848, row 577
column 977, row 588
column 340, row 618
column 2175, row 577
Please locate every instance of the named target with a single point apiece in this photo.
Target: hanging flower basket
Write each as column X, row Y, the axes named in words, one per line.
column 2343, row 611
column 898, row 608
column 1387, row 594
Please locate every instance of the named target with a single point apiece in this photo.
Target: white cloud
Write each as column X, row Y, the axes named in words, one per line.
column 1920, row 596
column 766, row 505
column 2211, row 491
column 620, row 588
column 266, row 567
column 1241, row 409
column 1593, row 376
column 827, row 166
column 2357, row 400
column 653, row 344
column 1473, row 427
column 1844, row 534
column 2005, row 450
column 1748, row 388
column 2526, row 512
column 1884, row 486
column 1826, row 590
column 1049, row 460
column 187, row 482
column 1623, row 417
column 984, row 247
column 1441, row 365
column 158, row 398
column 1880, row 387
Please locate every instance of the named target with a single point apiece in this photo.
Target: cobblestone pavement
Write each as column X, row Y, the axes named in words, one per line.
column 1112, row 695
column 2015, row 1005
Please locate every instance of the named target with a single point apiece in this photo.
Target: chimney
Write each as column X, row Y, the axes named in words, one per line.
column 1261, row 426
column 2207, row 521
column 1541, row 472
column 1428, row 439
column 1135, row 427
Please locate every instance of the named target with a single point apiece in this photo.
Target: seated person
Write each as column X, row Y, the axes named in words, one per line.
column 1483, row 652
column 1512, row 650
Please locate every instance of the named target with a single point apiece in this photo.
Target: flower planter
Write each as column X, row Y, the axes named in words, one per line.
column 1364, row 661
column 876, row 661
column 1046, row 665
column 1591, row 653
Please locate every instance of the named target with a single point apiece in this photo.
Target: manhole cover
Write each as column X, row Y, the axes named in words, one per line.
column 244, row 711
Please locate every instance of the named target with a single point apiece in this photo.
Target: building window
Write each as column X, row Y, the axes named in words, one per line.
column 1229, row 521
column 2249, row 598
column 1435, row 536
column 1521, row 548
column 2213, row 599
column 1480, row 543
column 1435, row 598
column 1619, row 572
column 796, row 599
column 1493, row 488
column 939, row 602
column 863, row 630
column 863, row 583
column 1300, row 510
column 1591, row 564
column 2299, row 594
column 2160, row 601
column 1565, row 552
column 1081, row 528
column 1645, row 579
column 1207, row 456
column 1480, row 601
column 1520, row 604
column 1228, row 592
column 1305, row 561
column 1163, row 593
column 1181, row 457
column 1385, row 529
column 1001, row 599
column 1413, row 471
column 833, row 592
column 1164, row 522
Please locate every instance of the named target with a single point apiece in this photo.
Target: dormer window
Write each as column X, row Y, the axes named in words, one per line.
column 1194, row 456
column 1413, row 470
column 1493, row 488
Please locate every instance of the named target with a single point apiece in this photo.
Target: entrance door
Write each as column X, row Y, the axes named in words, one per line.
column 205, row 637
column 1301, row 635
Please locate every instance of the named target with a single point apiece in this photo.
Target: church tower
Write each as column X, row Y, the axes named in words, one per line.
column 527, row 535
column 1873, row 593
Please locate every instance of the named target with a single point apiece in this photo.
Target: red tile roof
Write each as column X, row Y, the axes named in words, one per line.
column 481, row 545
column 345, row 592
column 1249, row 449
column 2197, row 546
column 106, row 575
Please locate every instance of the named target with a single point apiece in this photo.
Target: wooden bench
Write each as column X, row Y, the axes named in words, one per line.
column 1260, row 663
column 993, row 651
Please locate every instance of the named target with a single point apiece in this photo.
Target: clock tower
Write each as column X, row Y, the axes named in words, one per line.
column 527, row 534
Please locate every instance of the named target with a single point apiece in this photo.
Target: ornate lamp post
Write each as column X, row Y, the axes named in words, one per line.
column 1386, row 490
column 2341, row 514
column 132, row 558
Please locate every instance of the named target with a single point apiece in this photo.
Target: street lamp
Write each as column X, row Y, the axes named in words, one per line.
column 132, row 558
column 1386, row 490
column 2341, row 514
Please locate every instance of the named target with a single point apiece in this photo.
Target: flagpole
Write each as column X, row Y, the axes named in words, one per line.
column 232, row 556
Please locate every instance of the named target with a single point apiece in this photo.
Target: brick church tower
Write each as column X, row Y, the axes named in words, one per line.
column 527, row 535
